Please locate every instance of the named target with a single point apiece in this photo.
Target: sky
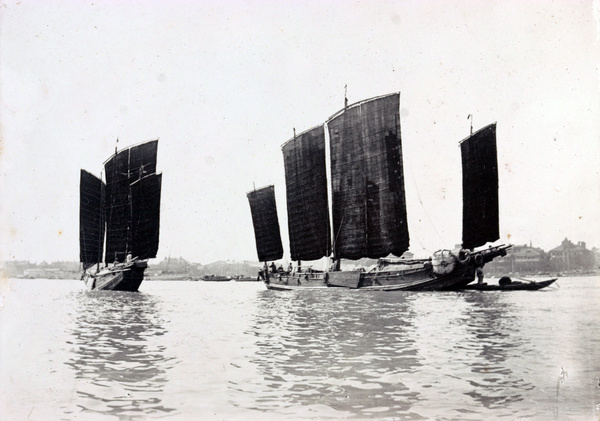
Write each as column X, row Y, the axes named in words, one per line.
column 222, row 85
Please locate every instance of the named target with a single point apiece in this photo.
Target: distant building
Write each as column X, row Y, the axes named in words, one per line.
column 596, row 253
column 15, row 268
column 42, row 273
column 569, row 257
column 520, row 259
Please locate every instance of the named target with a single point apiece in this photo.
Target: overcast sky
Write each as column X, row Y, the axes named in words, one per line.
column 223, row 84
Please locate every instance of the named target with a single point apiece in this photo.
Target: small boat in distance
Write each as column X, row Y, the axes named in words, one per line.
column 242, row 278
column 368, row 206
column 216, row 278
column 127, row 209
column 507, row 284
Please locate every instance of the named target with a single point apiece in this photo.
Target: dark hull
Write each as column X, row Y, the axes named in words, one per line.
column 423, row 280
column 284, row 282
column 413, row 280
column 513, row 286
column 121, row 277
column 418, row 276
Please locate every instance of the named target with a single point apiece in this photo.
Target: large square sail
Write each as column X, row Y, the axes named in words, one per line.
column 369, row 205
column 91, row 219
column 266, row 224
column 122, row 169
column 480, row 188
column 145, row 205
column 306, row 194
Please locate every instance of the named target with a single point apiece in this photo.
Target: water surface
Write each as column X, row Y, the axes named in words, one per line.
column 225, row 350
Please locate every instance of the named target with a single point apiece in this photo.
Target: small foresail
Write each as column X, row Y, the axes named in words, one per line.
column 122, row 169
column 266, row 224
column 306, row 193
column 91, row 219
column 145, row 207
column 368, row 201
column 480, row 188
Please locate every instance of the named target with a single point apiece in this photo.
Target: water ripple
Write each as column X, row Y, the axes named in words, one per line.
column 120, row 365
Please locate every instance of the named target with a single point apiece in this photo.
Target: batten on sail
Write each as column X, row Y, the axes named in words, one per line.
column 122, row 169
column 266, row 224
column 306, row 194
column 369, row 205
column 145, row 204
column 91, row 219
column 480, row 188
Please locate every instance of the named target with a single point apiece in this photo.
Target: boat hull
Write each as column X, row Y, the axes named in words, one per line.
column 120, row 277
column 416, row 276
column 216, row 278
column 421, row 280
column 286, row 282
column 513, row 286
column 284, row 287
column 417, row 280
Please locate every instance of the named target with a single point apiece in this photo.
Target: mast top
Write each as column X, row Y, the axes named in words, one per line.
column 346, row 96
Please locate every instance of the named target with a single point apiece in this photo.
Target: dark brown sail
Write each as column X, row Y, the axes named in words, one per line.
column 145, row 208
column 266, row 224
column 91, row 219
column 122, row 169
column 306, row 189
column 369, row 205
column 480, row 188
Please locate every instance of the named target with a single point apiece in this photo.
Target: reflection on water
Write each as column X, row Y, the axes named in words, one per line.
column 345, row 351
column 493, row 338
column 235, row 351
column 397, row 355
column 116, row 355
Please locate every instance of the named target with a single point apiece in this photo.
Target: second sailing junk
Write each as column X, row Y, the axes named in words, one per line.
column 127, row 209
column 368, row 206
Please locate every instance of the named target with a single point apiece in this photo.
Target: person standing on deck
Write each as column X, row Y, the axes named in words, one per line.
column 479, row 274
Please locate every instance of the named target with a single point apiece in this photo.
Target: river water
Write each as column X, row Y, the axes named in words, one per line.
column 235, row 351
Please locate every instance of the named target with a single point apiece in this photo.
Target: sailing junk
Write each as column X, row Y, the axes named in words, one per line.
column 127, row 209
column 369, row 207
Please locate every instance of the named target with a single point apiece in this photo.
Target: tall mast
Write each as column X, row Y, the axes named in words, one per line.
column 332, row 232
column 296, row 163
column 345, row 96
column 130, row 219
column 102, row 222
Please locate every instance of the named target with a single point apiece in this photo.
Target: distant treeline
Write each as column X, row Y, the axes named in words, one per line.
column 168, row 266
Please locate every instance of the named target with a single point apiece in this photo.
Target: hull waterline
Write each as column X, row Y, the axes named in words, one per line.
column 120, row 277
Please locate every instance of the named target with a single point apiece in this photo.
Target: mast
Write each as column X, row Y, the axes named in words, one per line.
column 298, row 262
column 332, row 234
column 101, row 223
column 130, row 208
column 345, row 96
column 470, row 117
